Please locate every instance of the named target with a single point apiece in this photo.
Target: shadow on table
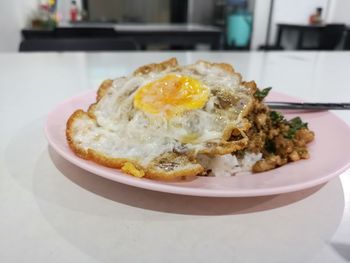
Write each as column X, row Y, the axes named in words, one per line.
column 172, row 203
column 342, row 249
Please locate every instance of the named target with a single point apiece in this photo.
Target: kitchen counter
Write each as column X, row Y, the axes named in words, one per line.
column 143, row 34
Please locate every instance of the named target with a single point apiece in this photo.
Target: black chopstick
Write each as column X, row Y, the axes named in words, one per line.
column 308, row 105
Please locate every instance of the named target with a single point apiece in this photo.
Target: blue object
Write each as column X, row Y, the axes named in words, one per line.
column 239, row 29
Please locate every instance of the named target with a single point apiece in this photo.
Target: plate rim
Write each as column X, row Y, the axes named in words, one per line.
column 154, row 185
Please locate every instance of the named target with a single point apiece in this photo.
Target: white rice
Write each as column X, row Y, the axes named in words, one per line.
column 228, row 164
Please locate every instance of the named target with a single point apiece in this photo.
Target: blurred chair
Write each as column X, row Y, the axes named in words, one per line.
column 329, row 38
column 78, row 44
column 347, row 40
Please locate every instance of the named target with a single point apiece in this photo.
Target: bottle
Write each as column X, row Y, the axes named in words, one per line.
column 73, row 11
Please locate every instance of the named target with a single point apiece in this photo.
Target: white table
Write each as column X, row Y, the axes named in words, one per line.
column 52, row 211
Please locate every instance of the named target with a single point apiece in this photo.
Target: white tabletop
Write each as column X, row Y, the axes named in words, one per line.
column 52, row 211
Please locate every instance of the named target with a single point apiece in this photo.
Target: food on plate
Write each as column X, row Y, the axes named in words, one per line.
column 167, row 121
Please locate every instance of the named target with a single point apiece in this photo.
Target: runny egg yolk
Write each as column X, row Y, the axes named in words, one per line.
column 171, row 95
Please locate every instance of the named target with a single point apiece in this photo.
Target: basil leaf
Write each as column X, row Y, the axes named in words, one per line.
column 295, row 124
column 276, row 117
column 270, row 146
column 261, row 94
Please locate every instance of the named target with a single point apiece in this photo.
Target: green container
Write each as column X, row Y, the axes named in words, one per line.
column 239, row 29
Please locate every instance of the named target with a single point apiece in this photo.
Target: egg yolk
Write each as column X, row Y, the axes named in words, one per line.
column 171, row 95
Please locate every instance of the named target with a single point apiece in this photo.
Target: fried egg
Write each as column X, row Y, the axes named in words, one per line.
column 155, row 122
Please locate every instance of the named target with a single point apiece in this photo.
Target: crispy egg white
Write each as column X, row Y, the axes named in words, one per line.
column 185, row 110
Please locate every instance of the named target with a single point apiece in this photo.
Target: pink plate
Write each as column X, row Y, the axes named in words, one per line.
column 329, row 157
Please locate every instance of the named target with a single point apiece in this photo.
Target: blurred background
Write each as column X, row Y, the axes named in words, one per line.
column 107, row 25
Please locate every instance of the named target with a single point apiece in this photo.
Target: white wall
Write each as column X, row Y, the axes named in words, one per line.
column 8, row 26
column 13, row 17
column 339, row 11
column 24, row 8
column 260, row 21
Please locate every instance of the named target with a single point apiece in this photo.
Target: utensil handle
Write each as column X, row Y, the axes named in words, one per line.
column 308, row 105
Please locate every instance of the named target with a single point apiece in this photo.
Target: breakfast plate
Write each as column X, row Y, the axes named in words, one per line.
column 329, row 158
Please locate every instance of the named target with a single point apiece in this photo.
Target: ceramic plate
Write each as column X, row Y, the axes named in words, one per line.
column 329, row 157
